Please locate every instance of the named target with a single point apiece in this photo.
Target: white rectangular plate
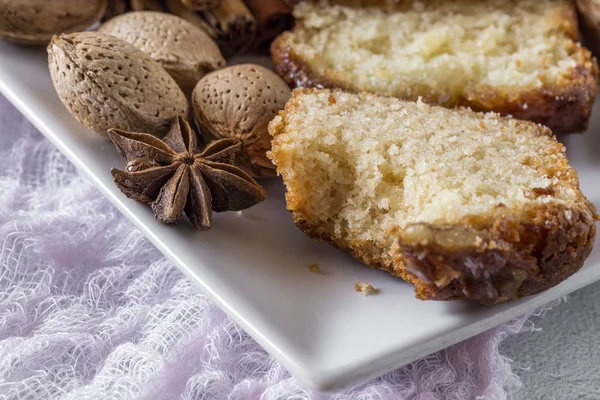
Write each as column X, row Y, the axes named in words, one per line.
column 255, row 265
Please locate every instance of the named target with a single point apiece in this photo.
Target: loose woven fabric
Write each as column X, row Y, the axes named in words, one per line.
column 89, row 309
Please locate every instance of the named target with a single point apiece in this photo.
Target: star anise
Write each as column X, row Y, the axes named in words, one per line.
column 173, row 177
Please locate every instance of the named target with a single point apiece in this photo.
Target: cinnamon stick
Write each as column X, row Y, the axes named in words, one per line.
column 200, row 5
column 272, row 18
column 146, row 5
column 176, row 7
column 114, row 8
column 231, row 24
column 235, row 26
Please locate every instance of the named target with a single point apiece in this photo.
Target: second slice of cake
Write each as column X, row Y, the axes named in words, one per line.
column 459, row 203
column 517, row 57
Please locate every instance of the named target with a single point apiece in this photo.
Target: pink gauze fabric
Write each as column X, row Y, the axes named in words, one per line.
column 89, row 309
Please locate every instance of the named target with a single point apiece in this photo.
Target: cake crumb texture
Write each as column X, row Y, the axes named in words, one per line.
column 402, row 185
column 365, row 288
column 517, row 57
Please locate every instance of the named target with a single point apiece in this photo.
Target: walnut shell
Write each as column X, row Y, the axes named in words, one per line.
column 240, row 101
column 107, row 83
column 185, row 51
column 36, row 21
column 199, row 5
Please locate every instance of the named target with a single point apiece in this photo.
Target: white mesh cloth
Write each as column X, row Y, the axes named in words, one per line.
column 89, row 309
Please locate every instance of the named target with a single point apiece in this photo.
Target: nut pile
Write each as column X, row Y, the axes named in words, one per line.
column 234, row 25
column 135, row 78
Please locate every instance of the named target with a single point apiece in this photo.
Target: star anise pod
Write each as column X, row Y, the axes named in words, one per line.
column 172, row 176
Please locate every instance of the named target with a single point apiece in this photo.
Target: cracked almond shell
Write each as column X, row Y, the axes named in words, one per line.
column 239, row 102
column 36, row 21
column 185, row 51
column 107, row 83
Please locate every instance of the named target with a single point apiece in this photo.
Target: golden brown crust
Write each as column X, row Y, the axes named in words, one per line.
column 371, row 256
column 296, row 72
column 564, row 108
column 503, row 258
column 509, row 259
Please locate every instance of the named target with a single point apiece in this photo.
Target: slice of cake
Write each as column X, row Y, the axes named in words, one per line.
column 517, row 57
column 459, row 203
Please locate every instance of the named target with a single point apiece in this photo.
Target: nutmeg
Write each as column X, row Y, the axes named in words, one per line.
column 240, row 101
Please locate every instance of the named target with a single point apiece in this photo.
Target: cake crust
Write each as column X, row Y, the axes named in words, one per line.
column 542, row 253
column 564, row 106
column 505, row 255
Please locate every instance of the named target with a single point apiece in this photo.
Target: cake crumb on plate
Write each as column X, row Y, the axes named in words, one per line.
column 365, row 288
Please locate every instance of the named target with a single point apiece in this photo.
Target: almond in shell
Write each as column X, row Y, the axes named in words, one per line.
column 240, row 101
column 107, row 83
column 36, row 21
column 185, row 51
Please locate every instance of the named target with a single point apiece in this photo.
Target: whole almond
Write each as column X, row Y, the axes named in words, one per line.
column 36, row 21
column 107, row 83
column 185, row 51
column 240, row 101
column 200, row 5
